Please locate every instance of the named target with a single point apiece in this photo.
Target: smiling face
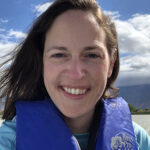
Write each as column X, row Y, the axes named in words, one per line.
column 76, row 63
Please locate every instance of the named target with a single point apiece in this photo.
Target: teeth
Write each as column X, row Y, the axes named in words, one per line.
column 74, row 91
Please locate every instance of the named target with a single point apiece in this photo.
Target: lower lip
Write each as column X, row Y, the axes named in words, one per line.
column 73, row 96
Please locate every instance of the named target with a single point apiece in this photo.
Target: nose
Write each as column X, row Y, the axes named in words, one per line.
column 75, row 70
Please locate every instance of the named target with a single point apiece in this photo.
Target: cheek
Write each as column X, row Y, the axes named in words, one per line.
column 99, row 71
column 51, row 72
column 100, row 76
column 48, row 74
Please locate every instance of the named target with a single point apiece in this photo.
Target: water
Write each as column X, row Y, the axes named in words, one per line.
column 142, row 120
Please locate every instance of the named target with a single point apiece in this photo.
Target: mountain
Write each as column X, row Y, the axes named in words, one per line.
column 137, row 95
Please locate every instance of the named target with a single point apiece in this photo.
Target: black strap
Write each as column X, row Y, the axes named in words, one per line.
column 95, row 126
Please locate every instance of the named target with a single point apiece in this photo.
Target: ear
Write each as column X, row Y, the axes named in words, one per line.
column 112, row 62
column 110, row 69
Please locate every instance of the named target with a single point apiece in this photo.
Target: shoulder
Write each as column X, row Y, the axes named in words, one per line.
column 8, row 135
column 142, row 137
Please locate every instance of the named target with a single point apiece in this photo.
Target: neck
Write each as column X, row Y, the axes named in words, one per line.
column 80, row 124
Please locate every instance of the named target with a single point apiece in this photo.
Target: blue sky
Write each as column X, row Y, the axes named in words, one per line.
column 126, row 7
column 132, row 19
column 20, row 13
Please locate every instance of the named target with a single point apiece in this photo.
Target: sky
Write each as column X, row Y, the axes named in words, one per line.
column 132, row 19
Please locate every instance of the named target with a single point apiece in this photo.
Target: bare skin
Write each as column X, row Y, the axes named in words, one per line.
column 76, row 67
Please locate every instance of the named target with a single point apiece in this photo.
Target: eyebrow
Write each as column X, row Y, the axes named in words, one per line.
column 57, row 47
column 88, row 48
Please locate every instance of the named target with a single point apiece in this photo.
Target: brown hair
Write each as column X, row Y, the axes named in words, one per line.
column 23, row 78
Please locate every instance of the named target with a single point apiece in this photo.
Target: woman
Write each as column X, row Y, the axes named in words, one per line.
column 59, row 88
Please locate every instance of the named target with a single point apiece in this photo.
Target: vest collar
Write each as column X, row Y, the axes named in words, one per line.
column 40, row 126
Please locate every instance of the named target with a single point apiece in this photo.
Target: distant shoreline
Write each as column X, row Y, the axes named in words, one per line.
column 136, row 111
column 146, row 113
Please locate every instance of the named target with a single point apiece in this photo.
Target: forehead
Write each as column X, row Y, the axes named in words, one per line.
column 75, row 25
column 73, row 15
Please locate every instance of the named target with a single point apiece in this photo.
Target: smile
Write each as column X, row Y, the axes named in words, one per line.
column 75, row 91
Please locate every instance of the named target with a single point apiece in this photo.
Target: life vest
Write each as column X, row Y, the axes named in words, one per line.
column 41, row 127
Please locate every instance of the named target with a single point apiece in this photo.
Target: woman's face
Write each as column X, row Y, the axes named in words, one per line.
column 76, row 63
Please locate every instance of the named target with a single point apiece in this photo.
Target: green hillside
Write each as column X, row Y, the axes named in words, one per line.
column 134, row 110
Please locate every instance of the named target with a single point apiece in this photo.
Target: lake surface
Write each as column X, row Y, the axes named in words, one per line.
column 142, row 120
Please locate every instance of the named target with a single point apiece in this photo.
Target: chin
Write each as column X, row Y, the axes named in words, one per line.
column 75, row 114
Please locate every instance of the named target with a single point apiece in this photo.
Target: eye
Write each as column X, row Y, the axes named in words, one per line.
column 58, row 55
column 92, row 55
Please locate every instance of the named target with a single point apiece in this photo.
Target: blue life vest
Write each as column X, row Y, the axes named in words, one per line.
column 41, row 127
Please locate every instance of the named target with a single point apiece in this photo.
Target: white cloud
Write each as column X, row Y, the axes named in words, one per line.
column 134, row 44
column 134, row 70
column 3, row 20
column 6, row 48
column 132, row 37
column 134, row 33
column 133, row 78
column 8, row 42
column 114, row 15
column 11, row 36
column 16, row 34
column 141, row 23
column 39, row 9
column 136, row 62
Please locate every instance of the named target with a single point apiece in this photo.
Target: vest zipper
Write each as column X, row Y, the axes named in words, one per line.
column 77, row 143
